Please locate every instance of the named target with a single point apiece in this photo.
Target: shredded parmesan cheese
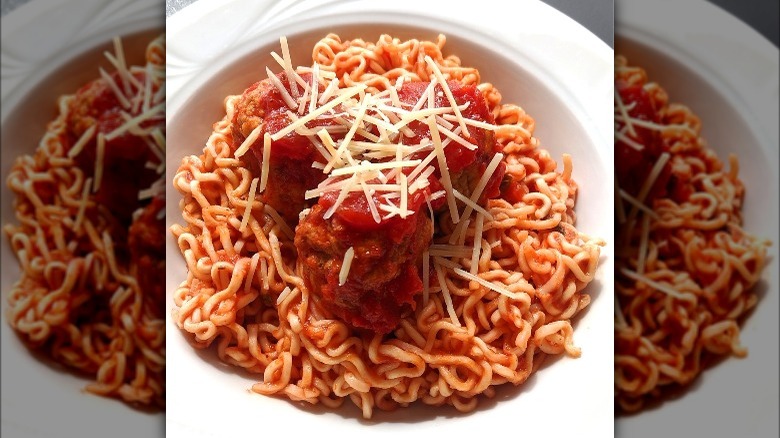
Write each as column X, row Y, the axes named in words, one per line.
column 445, row 173
column 624, row 112
column 279, row 221
column 288, row 100
column 637, row 204
column 288, row 67
column 491, row 168
column 477, row 244
column 248, row 141
column 448, row 92
column 654, row 284
column 349, row 93
column 136, row 121
column 349, row 255
column 250, row 200
column 115, row 88
column 82, row 141
column 82, row 205
column 446, row 293
column 266, row 161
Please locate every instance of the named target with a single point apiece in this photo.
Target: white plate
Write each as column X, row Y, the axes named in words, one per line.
column 727, row 74
column 51, row 48
column 537, row 57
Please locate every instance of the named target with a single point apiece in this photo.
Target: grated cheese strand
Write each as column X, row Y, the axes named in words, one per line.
column 477, row 250
column 288, row 100
column 248, row 141
column 298, row 78
column 288, row 67
column 250, row 200
column 315, row 87
column 629, row 141
column 656, row 126
column 82, row 205
column 404, row 197
column 115, row 88
column 349, row 255
column 445, row 173
column 474, row 206
column 342, row 195
column 622, row 109
column 481, row 184
column 446, row 293
column 266, row 161
column 638, row 205
column 351, row 133
column 136, row 121
column 349, row 93
column 371, row 202
column 279, row 221
column 448, row 92
column 652, row 283
column 82, row 141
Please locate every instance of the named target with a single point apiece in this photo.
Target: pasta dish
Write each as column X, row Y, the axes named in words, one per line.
column 90, row 225
column 685, row 268
column 379, row 227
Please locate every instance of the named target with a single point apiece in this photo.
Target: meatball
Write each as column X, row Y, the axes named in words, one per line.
column 125, row 157
column 466, row 166
column 290, row 166
column 384, row 275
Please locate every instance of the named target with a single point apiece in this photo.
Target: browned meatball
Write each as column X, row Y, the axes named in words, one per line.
column 385, row 272
column 466, row 166
column 290, row 165
column 125, row 159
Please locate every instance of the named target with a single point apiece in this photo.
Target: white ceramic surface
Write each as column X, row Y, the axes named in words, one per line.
column 558, row 71
column 728, row 75
column 51, row 48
